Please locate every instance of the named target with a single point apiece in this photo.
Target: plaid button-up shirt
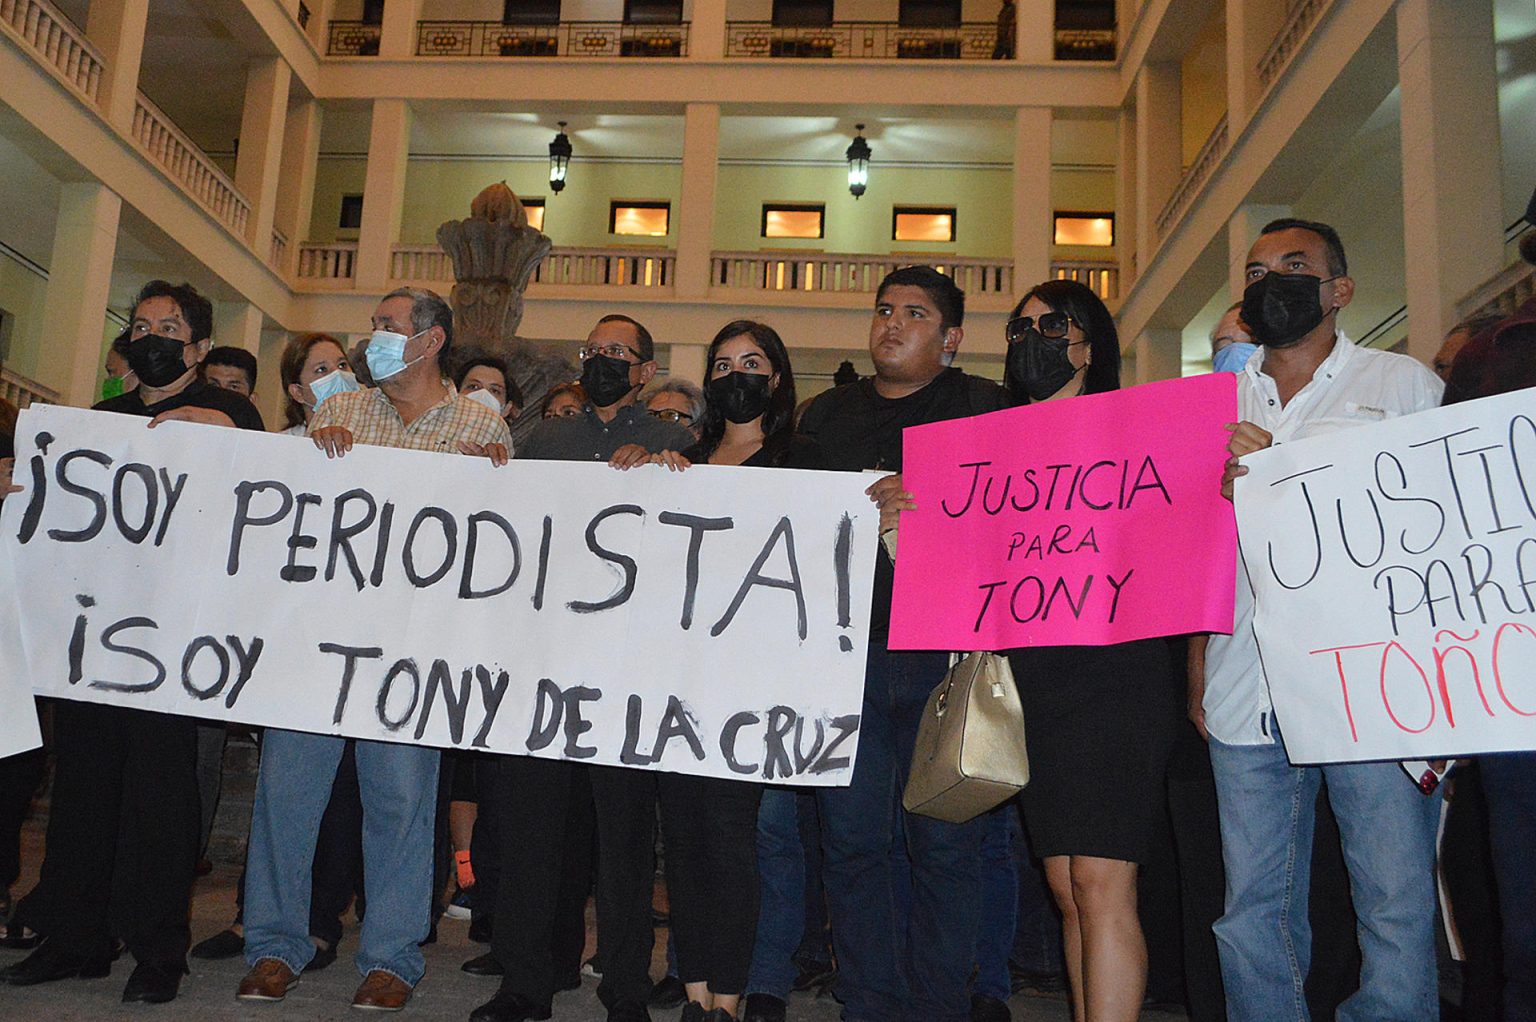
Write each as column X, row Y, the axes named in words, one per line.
column 372, row 419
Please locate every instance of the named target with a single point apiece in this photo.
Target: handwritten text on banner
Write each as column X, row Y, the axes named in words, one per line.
column 1087, row 521
column 710, row 622
column 1394, row 570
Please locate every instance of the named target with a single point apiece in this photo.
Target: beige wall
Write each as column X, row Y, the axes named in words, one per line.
column 1203, row 86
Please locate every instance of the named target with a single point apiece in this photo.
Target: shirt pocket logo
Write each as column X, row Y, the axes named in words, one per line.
column 1356, row 410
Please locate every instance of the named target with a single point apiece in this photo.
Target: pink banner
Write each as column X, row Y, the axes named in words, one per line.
column 1081, row 522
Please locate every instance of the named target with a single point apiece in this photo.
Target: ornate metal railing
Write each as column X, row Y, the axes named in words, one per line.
column 1298, row 25
column 824, row 271
column 1085, row 44
column 565, row 39
column 163, row 142
column 335, row 261
column 637, row 267
column 861, row 40
column 352, row 39
column 53, row 38
column 1102, row 275
column 1209, row 155
column 20, row 391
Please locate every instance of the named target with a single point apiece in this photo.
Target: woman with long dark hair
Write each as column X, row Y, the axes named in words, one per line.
column 1101, row 719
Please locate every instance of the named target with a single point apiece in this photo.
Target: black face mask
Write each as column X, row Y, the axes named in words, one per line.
column 1038, row 366
column 741, row 397
column 606, row 380
column 156, row 360
column 1280, row 309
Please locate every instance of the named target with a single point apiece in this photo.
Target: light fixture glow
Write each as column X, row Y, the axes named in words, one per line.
column 858, row 163
column 559, row 160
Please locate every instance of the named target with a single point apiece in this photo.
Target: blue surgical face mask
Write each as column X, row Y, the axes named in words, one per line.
column 386, row 354
column 1233, row 357
column 337, row 381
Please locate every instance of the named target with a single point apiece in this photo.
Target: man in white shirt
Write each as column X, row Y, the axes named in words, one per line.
column 1308, row 379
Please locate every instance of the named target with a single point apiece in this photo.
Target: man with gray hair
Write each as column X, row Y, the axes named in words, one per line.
column 415, row 408
column 675, row 400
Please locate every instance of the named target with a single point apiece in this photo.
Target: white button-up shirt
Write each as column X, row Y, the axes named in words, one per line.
column 1354, row 386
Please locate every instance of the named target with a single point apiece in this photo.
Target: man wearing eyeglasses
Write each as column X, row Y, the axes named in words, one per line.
column 540, row 810
column 679, row 401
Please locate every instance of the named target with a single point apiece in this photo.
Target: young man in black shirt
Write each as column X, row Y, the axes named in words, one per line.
column 123, row 824
column 915, row 964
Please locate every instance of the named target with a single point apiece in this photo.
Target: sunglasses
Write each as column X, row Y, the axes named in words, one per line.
column 1052, row 325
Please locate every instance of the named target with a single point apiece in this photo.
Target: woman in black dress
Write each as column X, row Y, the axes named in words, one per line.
column 1100, row 719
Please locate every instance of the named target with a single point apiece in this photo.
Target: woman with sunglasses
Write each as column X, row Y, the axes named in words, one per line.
column 710, row 825
column 1101, row 719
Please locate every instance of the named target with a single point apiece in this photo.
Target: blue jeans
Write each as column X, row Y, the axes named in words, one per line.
column 398, row 784
column 1000, row 848
column 781, row 879
column 923, row 976
column 1509, row 782
column 1388, row 832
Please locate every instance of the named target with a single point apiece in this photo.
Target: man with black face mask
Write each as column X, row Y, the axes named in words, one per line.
column 123, row 828
column 1308, row 380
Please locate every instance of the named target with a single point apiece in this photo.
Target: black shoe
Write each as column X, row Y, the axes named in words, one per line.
column 693, row 1011
column 153, row 983
column 717, row 1015
column 989, row 1009
column 323, row 956
column 224, row 944
column 46, row 965
column 764, row 1008
column 485, row 965
column 507, row 1006
column 815, row 975
column 628, row 1011
column 668, row 993
column 480, row 929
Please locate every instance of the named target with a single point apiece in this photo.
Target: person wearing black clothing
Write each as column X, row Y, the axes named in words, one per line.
column 123, row 823
column 540, row 840
column 916, row 968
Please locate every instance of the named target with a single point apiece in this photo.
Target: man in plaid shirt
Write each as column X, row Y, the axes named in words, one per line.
column 417, row 408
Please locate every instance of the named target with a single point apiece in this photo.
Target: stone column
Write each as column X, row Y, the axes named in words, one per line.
column 1251, row 29
column 696, row 215
column 296, row 197
column 261, row 145
column 1159, row 355
column 117, row 27
column 389, row 141
column 1159, row 150
column 1242, row 231
column 79, row 285
column 1036, row 31
column 686, row 362
column 706, row 32
column 1453, row 230
column 1032, row 207
column 397, row 36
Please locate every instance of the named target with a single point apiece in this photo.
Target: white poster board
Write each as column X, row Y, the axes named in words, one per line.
column 1394, row 571
column 711, row 622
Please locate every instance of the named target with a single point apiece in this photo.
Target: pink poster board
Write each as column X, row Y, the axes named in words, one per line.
column 1082, row 522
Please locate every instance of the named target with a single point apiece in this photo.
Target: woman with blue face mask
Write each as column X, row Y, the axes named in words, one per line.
column 313, row 368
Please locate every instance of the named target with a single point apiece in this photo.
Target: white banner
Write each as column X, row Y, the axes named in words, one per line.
column 1394, row 567
column 711, row 622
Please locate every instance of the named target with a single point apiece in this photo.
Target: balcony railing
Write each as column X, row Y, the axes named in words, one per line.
column 636, row 267
column 862, row 40
column 334, row 262
column 565, row 39
column 20, row 391
column 846, row 272
column 278, row 250
column 189, row 166
column 1085, row 44
column 1209, row 155
column 54, row 39
column 419, row 262
column 352, row 39
column 1103, row 276
column 1298, row 25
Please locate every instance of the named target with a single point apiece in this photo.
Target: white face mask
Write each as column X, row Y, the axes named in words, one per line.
column 486, row 398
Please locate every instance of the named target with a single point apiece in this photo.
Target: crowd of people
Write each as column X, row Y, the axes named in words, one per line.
column 1165, row 848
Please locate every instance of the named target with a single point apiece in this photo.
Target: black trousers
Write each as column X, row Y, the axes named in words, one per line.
column 626, row 879
column 122, row 834
column 19, row 777
column 710, row 828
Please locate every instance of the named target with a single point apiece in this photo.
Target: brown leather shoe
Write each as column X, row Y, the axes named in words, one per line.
column 268, row 980
column 382, row 991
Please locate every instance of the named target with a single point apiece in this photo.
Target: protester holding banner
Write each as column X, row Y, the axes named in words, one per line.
column 921, row 971
column 313, row 368
column 415, row 408
column 710, row 825
column 123, row 823
column 1099, row 718
column 1309, row 380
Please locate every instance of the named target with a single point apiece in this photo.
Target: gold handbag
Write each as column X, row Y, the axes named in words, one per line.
column 970, row 753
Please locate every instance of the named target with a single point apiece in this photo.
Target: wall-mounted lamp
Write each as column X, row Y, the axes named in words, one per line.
column 858, row 163
column 559, row 160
